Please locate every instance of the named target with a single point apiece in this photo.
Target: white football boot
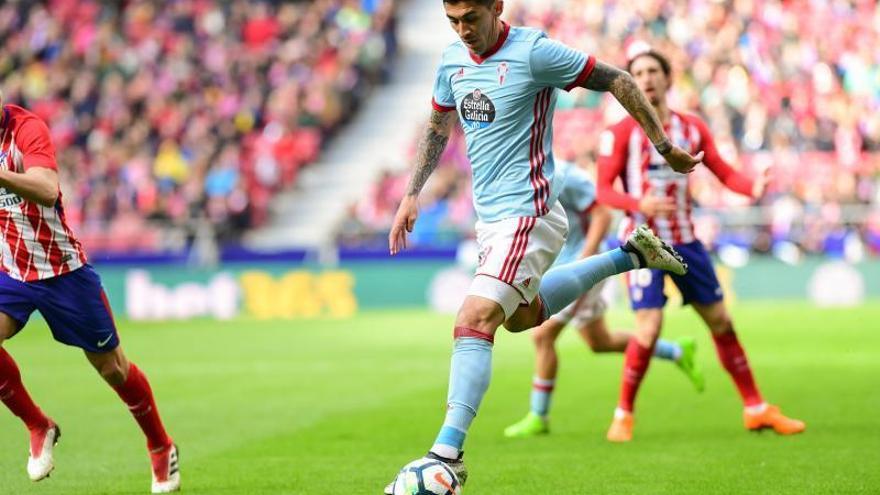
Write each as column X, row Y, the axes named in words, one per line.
column 41, row 461
column 166, row 470
column 653, row 252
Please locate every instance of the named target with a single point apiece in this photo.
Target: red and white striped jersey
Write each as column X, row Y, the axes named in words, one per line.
column 626, row 152
column 36, row 242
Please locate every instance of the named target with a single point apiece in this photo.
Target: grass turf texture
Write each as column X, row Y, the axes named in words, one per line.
column 329, row 407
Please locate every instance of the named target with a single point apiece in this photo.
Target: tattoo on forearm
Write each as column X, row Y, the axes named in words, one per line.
column 620, row 84
column 431, row 146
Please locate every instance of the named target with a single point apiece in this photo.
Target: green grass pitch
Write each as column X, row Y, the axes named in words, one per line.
column 332, row 407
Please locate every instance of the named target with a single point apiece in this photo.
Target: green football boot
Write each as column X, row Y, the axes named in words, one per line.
column 687, row 363
column 530, row 426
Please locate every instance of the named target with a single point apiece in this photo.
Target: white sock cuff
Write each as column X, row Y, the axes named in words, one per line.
column 447, row 451
column 620, row 413
column 758, row 409
column 543, row 382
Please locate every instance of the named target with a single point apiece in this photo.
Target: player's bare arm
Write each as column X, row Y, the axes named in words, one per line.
column 37, row 184
column 431, row 146
column 623, row 87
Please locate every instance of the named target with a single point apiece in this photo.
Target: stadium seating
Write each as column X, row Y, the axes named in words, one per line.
column 166, row 115
column 792, row 85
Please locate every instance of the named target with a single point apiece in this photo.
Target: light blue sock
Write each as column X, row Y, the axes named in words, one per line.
column 665, row 349
column 468, row 381
column 563, row 284
column 542, row 391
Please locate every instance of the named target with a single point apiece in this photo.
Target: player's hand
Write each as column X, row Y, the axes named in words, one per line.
column 681, row 161
column 651, row 205
column 404, row 221
column 759, row 187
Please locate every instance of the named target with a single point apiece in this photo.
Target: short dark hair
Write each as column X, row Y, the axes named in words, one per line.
column 482, row 3
column 661, row 59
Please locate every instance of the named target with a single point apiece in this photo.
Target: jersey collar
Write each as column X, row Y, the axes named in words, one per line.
column 505, row 30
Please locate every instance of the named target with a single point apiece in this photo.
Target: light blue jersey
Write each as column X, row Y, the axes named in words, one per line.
column 577, row 194
column 505, row 102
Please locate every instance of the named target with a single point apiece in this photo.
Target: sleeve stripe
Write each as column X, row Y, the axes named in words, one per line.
column 582, row 77
column 439, row 107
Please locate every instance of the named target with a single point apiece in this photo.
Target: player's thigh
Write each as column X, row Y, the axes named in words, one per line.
column 595, row 332
column 700, row 285
column 16, row 306
column 526, row 316
column 78, row 312
column 649, row 322
column 715, row 315
column 515, row 253
column 8, row 327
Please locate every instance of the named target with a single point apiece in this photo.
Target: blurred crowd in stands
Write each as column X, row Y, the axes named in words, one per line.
column 795, row 85
column 167, row 114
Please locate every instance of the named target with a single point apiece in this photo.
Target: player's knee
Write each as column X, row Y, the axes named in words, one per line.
column 477, row 320
column 112, row 371
column 721, row 325
column 647, row 335
column 542, row 340
column 480, row 316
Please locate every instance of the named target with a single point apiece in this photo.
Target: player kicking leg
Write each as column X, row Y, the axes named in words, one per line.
column 587, row 314
column 505, row 107
column 512, row 298
column 74, row 306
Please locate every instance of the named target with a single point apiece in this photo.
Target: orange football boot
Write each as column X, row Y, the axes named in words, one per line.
column 773, row 418
column 621, row 429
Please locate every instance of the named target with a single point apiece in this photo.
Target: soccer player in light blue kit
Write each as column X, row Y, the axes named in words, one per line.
column 588, row 223
column 502, row 82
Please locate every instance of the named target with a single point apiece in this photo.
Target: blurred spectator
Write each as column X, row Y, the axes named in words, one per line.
column 165, row 112
column 795, row 85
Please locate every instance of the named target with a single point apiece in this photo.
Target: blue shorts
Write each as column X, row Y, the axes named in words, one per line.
column 700, row 285
column 74, row 305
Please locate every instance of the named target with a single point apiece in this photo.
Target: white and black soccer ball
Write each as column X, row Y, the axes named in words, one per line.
column 426, row 477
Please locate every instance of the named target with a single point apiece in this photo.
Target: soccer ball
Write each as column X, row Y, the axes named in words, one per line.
column 426, row 477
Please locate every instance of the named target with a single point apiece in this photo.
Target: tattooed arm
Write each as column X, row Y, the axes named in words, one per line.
column 623, row 87
column 431, row 146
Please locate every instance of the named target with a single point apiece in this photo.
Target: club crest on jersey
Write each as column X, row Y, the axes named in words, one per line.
column 477, row 110
column 503, row 69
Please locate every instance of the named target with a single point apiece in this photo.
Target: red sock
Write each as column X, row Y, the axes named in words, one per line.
column 136, row 393
column 734, row 360
column 16, row 398
column 637, row 359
